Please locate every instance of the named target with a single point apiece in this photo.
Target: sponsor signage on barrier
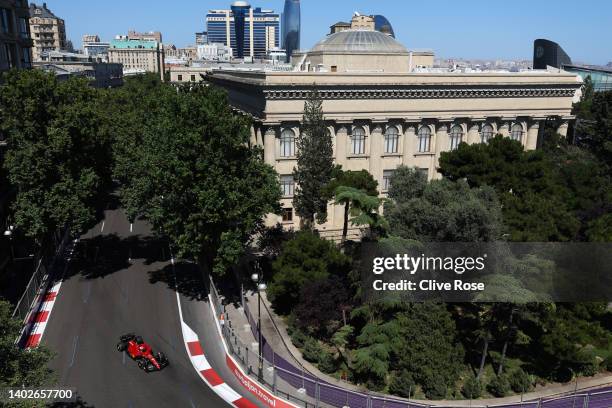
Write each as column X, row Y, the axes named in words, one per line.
column 258, row 391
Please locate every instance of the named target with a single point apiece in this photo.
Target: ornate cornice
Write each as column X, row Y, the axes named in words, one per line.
column 423, row 93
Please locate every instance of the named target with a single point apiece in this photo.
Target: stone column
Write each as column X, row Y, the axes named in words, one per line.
column 562, row 130
column 341, row 143
column 473, row 135
column 375, row 153
column 332, row 132
column 253, row 137
column 504, row 129
column 442, row 144
column 259, row 137
column 270, row 147
column 409, row 145
column 532, row 135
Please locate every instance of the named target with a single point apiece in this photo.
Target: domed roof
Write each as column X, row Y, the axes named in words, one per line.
column 359, row 42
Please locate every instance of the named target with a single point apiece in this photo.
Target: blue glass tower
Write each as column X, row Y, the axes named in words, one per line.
column 291, row 27
column 240, row 9
column 382, row 24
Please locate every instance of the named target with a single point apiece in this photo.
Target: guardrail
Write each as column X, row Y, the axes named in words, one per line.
column 30, row 300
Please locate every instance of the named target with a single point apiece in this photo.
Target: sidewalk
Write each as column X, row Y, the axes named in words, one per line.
column 237, row 320
column 274, row 329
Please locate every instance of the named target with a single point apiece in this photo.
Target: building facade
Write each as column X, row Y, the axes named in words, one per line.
column 94, row 47
column 260, row 34
column 291, row 27
column 48, row 31
column 201, row 38
column 15, row 40
column 381, row 120
column 137, row 56
column 147, row 36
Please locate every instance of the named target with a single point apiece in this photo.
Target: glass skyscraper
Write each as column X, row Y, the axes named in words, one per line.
column 291, row 26
column 382, row 24
column 258, row 29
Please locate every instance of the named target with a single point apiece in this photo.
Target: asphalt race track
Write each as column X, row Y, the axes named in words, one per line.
column 118, row 282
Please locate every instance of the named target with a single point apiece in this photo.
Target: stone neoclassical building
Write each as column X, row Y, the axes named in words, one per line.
column 388, row 114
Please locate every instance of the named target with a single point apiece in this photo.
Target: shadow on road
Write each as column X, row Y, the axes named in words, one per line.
column 189, row 280
column 104, row 255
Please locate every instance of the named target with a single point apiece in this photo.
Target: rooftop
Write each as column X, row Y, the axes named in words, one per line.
column 133, row 44
column 359, row 42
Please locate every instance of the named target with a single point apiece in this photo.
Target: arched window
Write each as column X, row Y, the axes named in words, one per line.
column 391, row 139
column 486, row 133
column 517, row 132
column 287, row 143
column 424, row 139
column 456, row 136
column 358, row 141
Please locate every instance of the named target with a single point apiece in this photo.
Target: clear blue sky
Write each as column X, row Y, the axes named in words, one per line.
column 452, row 28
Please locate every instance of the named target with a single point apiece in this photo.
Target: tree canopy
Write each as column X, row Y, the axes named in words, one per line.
column 58, row 154
column 441, row 211
column 184, row 163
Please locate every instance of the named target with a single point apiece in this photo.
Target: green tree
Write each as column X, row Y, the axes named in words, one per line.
column 314, row 164
column 533, row 197
column 402, row 384
column 59, row 151
column 407, row 183
column 472, row 388
column 185, row 165
column 307, row 258
column 18, row 367
column 356, row 187
column 363, row 207
column 429, row 348
column 442, row 210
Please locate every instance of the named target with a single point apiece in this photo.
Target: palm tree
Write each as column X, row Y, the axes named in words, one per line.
column 363, row 208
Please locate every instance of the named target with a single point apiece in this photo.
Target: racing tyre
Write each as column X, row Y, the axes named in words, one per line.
column 142, row 364
column 121, row 346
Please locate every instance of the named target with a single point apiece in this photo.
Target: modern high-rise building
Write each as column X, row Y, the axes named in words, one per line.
column 201, row 38
column 240, row 9
column 259, row 33
column 549, row 53
column 291, row 27
column 383, row 25
column 15, row 42
column 48, row 31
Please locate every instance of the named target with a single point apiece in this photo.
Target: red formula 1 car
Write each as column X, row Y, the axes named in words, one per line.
column 140, row 351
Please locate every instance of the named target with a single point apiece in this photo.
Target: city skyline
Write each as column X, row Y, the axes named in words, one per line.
column 432, row 26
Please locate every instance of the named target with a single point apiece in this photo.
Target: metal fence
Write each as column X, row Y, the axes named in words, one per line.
column 248, row 358
column 293, row 383
column 39, row 280
column 335, row 396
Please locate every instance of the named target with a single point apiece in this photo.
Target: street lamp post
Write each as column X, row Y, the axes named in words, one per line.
column 9, row 233
column 257, row 279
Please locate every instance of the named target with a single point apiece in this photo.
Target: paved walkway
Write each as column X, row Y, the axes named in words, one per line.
column 237, row 320
column 274, row 330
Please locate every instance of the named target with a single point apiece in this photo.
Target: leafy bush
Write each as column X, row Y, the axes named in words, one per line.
column 298, row 338
column 312, row 350
column 472, row 388
column 434, row 387
column 520, row 381
column 499, row 386
column 327, row 362
column 402, row 384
